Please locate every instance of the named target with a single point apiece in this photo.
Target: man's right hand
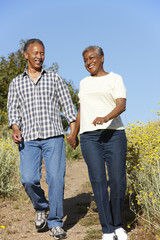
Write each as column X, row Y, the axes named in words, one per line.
column 16, row 136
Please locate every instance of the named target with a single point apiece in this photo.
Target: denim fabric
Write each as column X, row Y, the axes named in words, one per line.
column 53, row 152
column 101, row 148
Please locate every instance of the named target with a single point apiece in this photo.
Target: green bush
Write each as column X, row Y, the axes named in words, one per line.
column 3, row 118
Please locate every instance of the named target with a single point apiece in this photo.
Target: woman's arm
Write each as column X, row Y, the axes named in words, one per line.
column 120, row 107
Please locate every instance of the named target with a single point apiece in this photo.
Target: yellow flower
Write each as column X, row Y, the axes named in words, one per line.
column 3, row 227
column 157, row 237
column 139, row 202
column 151, row 194
column 130, row 191
column 142, row 168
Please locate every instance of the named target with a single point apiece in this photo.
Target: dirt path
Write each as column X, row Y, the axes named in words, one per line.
column 18, row 216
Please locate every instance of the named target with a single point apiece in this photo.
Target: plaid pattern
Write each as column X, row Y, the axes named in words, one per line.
column 35, row 107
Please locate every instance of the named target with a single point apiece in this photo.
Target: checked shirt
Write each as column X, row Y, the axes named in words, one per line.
column 35, row 107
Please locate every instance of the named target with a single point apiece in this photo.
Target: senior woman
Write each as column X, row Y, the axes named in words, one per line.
column 102, row 98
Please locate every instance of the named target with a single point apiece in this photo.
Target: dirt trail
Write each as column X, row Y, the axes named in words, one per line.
column 18, row 216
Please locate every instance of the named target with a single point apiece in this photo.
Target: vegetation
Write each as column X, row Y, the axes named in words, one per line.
column 9, row 165
column 9, row 68
column 143, row 168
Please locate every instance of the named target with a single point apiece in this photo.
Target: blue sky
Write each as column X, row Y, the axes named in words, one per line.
column 127, row 30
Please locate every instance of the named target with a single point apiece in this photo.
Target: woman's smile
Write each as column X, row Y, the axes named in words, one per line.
column 93, row 62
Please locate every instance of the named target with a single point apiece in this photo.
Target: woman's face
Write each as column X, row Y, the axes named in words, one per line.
column 93, row 62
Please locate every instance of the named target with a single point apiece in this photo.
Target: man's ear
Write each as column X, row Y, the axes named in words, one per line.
column 26, row 55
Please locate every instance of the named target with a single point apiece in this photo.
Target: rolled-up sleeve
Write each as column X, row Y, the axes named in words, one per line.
column 13, row 106
column 65, row 100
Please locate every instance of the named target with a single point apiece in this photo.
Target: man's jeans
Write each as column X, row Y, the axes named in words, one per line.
column 107, row 147
column 53, row 152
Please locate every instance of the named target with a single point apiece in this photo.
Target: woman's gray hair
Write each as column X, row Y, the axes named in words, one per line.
column 98, row 49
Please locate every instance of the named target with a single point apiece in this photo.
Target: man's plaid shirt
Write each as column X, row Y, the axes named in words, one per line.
column 34, row 107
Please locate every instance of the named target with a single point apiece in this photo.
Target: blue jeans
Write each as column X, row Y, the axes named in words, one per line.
column 101, row 148
column 53, row 152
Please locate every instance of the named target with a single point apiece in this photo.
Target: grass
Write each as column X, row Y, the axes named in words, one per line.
column 94, row 234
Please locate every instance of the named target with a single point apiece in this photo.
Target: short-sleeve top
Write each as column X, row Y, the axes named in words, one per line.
column 97, row 98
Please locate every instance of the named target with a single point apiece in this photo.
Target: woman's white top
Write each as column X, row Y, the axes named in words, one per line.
column 97, row 97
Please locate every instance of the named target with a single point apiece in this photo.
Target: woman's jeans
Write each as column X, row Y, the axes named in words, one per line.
column 53, row 152
column 100, row 148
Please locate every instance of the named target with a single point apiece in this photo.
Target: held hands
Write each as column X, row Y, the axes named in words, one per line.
column 72, row 141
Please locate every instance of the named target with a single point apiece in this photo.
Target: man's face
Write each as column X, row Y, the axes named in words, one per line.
column 35, row 56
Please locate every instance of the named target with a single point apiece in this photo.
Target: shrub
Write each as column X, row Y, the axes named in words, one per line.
column 143, row 169
column 9, row 168
column 3, row 118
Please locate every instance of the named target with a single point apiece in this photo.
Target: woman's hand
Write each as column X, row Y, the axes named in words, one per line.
column 120, row 107
column 100, row 120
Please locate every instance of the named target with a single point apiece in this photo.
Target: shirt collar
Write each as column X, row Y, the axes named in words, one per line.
column 43, row 70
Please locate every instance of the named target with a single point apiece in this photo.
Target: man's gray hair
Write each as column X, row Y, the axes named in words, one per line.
column 98, row 49
column 31, row 41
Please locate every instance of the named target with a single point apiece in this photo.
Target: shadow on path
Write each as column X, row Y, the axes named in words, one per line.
column 76, row 208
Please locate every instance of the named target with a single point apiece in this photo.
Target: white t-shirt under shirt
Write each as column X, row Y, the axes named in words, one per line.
column 97, row 97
